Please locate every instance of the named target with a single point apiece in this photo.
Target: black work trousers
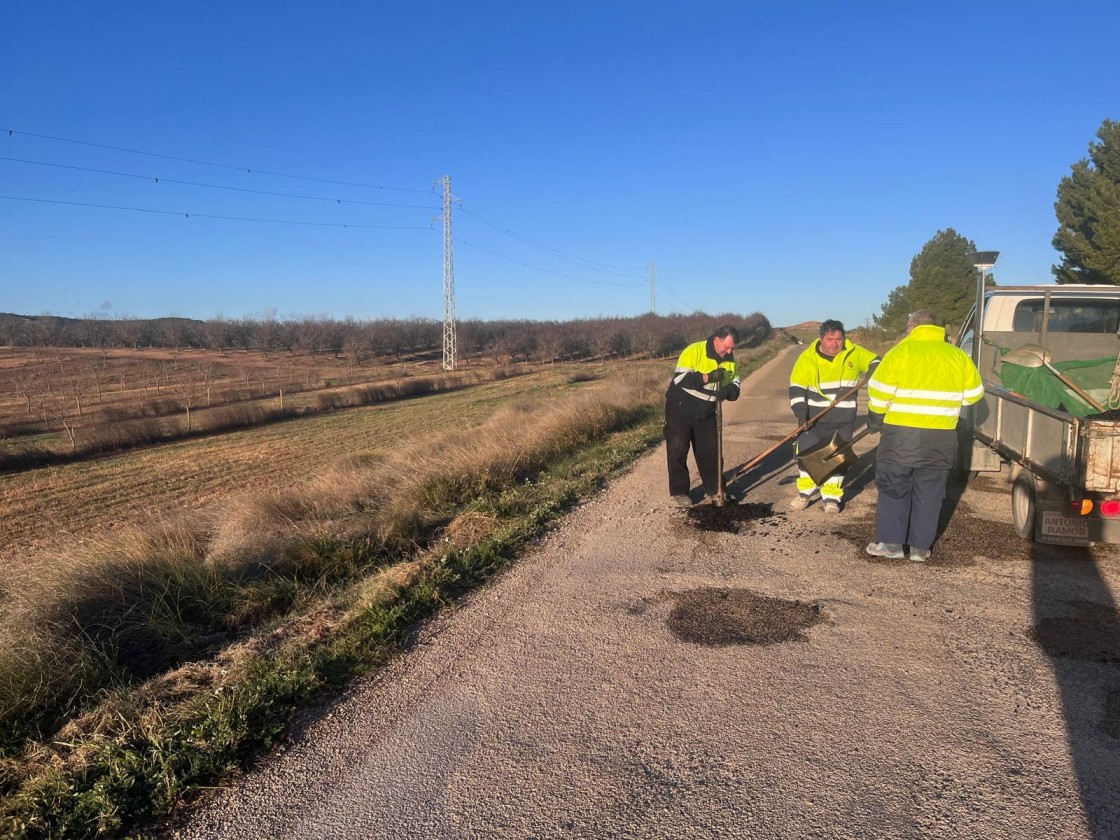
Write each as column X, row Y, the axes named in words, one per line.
column 682, row 431
column 909, row 503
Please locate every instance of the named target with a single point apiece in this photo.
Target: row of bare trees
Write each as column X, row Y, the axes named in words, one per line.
column 48, row 395
column 515, row 340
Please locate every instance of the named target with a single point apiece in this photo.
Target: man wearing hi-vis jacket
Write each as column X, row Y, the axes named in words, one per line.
column 914, row 401
column 821, row 377
column 706, row 373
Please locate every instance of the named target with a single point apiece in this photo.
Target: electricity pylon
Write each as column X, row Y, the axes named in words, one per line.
column 449, row 353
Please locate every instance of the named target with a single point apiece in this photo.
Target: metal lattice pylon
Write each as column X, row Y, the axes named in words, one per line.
column 449, row 351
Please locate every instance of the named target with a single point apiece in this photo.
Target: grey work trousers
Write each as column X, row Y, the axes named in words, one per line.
column 909, row 504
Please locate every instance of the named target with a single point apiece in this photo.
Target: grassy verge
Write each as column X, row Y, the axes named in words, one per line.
column 149, row 698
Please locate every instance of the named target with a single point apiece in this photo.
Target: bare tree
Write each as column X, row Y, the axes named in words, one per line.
column 55, row 410
column 209, row 372
column 74, row 387
column 28, row 385
column 128, row 331
column 216, row 334
column 187, row 392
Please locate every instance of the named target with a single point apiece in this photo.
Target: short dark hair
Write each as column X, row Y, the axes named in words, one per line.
column 725, row 331
column 831, row 326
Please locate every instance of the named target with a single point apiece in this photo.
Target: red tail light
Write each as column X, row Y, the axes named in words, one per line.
column 1110, row 508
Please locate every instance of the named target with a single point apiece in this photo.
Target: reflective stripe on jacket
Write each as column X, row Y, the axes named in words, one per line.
column 687, row 389
column 817, row 381
column 923, row 382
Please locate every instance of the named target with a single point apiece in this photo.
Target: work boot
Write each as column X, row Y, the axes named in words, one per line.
column 890, row 550
column 682, row 501
column 919, row 555
column 803, row 500
column 831, row 506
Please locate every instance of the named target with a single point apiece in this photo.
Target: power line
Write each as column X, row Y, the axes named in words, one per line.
column 669, row 292
column 546, row 270
column 190, row 215
column 158, row 179
column 246, row 169
column 589, row 264
column 592, row 264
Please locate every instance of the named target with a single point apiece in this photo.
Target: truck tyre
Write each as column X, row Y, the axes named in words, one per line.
column 1024, row 508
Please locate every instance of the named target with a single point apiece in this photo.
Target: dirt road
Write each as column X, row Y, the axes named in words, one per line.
column 607, row 686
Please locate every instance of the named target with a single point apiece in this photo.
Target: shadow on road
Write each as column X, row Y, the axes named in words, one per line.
column 1076, row 624
column 773, row 464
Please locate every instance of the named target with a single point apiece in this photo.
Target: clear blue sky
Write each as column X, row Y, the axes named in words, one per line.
column 785, row 158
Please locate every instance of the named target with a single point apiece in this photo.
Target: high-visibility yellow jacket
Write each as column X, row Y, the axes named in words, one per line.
column 687, row 389
column 817, row 381
column 923, row 383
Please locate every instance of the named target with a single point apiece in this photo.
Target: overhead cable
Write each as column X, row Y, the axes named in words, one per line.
column 160, row 179
column 592, row 264
column 545, row 270
column 246, row 169
column 191, row 215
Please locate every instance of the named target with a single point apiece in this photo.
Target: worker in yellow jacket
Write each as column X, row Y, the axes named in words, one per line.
column 706, row 373
column 826, row 371
column 914, row 400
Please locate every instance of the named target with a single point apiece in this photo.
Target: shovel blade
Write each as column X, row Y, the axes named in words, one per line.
column 825, row 461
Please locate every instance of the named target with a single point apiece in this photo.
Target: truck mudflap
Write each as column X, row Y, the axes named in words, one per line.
column 1058, row 527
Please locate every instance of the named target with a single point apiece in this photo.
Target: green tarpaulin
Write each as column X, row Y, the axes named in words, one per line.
column 1040, row 385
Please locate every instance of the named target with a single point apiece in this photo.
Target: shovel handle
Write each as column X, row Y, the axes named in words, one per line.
column 1070, row 384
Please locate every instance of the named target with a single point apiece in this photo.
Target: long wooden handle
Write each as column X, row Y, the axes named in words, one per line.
column 797, row 431
column 1070, row 384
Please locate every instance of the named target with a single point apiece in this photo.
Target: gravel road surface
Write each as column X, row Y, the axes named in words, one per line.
column 737, row 672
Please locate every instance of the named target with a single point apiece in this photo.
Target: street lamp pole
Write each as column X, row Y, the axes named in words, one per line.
column 982, row 260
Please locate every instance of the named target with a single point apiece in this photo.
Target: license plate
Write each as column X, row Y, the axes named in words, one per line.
column 1057, row 527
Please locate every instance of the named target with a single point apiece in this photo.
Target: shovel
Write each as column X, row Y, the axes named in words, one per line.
column 824, row 462
column 1034, row 356
column 743, row 469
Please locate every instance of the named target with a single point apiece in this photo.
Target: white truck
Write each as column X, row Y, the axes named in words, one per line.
column 1064, row 469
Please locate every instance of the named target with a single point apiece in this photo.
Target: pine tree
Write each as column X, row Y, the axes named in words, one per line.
column 1088, row 210
column 942, row 280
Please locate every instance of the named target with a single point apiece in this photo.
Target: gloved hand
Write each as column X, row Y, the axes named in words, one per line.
column 715, row 376
column 874, row 422
column 802, row 417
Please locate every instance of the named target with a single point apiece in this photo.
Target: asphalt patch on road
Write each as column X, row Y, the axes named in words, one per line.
column 731, row 518
column 719, row 617
column 1090, row 634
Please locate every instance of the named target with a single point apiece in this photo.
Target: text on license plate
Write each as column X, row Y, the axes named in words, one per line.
column 1054, row 524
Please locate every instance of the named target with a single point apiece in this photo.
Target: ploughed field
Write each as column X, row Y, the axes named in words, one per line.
column 46, row 508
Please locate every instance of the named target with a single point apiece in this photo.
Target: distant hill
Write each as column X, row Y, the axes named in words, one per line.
column 804, row 325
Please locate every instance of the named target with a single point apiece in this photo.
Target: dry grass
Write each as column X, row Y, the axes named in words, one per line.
column 128, row 602
column 334, row 563
column 48, row 508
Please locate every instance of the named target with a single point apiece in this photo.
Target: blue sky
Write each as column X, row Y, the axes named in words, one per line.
column 784, row 158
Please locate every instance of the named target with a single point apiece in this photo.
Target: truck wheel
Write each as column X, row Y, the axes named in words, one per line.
column 1024, row 510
